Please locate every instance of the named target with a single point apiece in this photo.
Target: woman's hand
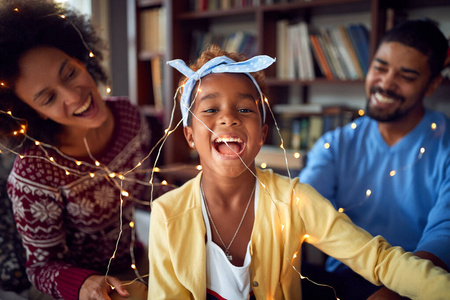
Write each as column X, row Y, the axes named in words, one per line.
column 96, row 288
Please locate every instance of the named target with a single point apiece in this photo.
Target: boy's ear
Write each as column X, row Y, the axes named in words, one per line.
column 189, row 136
column 265, row 129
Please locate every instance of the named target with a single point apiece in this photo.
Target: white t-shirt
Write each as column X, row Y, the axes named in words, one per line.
column 223, row 279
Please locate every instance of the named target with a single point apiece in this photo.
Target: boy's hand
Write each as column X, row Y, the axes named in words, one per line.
column 96, row 288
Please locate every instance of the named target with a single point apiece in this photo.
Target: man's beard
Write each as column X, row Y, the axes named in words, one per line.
column 380, row 115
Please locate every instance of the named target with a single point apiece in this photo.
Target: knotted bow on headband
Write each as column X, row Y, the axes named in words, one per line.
column 221, row 64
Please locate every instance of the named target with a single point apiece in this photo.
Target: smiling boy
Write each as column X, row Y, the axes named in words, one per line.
column 234, row 231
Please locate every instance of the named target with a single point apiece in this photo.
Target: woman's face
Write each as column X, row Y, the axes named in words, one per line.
column 58, row 87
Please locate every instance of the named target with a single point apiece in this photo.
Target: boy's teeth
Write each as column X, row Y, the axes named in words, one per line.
column 383, row 99
column 84, row 107
column 228, row 140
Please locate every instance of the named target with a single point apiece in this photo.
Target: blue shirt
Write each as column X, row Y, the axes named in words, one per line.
column 394, row 191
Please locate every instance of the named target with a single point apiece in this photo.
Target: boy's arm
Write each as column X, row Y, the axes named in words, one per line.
column 163, row 282
column 371, row 257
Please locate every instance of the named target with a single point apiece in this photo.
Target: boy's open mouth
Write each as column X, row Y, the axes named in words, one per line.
column 229, row 146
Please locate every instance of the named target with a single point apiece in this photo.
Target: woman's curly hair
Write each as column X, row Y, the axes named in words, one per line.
column 25, row 25
column 215, row 51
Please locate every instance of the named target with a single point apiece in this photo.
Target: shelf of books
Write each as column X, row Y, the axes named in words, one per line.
column 151, row 16
column 298, row 127
column 313, row 53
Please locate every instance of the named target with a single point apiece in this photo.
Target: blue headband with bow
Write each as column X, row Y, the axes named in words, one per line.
column 221, row 64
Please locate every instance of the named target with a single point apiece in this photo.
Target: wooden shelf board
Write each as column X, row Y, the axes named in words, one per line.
column 149, row 3
column 272, row 81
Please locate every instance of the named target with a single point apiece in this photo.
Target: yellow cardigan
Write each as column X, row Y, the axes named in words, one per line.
column 177, row 245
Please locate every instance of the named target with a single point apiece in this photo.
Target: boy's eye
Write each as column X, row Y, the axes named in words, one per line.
column 210, row 110
column 245, row 110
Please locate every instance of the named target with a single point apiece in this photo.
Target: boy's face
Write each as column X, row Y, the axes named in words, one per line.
column 226, row 110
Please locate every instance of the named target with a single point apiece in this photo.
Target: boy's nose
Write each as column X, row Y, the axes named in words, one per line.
column 229, row 118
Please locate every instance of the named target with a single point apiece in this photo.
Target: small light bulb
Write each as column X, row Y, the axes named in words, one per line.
column 433, row 126
column 368, row 193
column 164, row 182
column 392, row 173
column 341, row 210
column 125, row 193
column 97, row 163
column 78, row 163
column 92, row 175
column 353, row 125
column 199, row 167
column 263, row 165
column 297, row 155
column 131, row 224
column 326, row 145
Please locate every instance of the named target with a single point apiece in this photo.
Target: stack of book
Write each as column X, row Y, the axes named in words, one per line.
column 152, row 32
column 205, row 5
column 301, row 125
column 338, row 53
column 241, row 42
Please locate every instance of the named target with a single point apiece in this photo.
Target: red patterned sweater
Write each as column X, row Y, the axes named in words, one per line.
column 70, row 223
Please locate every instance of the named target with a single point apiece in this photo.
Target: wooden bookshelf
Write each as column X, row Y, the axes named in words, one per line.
column 261, row 20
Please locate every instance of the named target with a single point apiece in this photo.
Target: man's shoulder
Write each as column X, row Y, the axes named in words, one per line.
column 354, row 131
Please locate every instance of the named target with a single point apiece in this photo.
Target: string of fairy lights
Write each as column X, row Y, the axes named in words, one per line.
column 118, row 178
